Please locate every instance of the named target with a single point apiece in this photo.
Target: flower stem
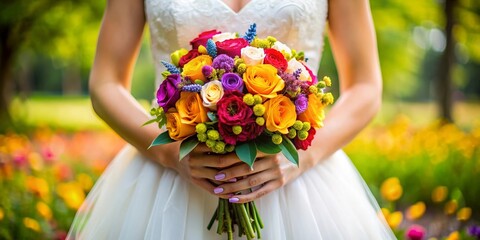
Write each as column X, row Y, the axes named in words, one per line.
column 221, row 213
column 257, row 215
column 229, row 220
column 247, row 221
column 212, row 220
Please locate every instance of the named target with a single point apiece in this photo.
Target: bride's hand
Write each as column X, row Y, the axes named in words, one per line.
column 269, row 173
column 201, row 168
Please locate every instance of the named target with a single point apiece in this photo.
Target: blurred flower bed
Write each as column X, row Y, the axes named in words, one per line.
column 45, row 176
column 425, row 179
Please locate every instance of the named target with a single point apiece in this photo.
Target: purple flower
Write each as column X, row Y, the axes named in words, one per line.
column 301, row 103
column 168, row 92
column 474, row 231
column 207, row 71
column 224, row 62
column 231, row 81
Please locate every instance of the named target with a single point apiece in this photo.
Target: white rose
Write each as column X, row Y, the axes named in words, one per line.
column 211, row 93
column 284, row 49
column 294, row 65
column 224, row 36
column 252, row 55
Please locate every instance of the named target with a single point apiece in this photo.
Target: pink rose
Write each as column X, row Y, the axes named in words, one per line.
column 187, row 57
column 232, row 110
column 231, row 47
column 203, row 38
column 276, row 59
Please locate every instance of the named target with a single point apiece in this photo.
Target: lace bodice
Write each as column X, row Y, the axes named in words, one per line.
column 298, row 23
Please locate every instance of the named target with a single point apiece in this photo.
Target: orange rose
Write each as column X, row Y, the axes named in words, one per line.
column 280, row 114
column 314, row 114
column 176, row 129
column 190, row 108
column 193, row 69
column 262, row 79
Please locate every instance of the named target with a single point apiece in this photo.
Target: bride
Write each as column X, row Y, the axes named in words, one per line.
column 149, row 194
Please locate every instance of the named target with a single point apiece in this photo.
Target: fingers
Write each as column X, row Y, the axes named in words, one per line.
column 242, row 170
column 213, row 160
column 250, row 182
column 260, row 192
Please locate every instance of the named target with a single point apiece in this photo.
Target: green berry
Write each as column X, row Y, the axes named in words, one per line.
column 258, row 99
column 298, row 125
column 241, row 68
column 210, row 143
column 302, row 135
column 202, row 137
column 259, row 110
column 219, row 147
column 237, row 129
column 249, row 99
column 229, row 148
column 199, row 82
column 201, row 128
column 327, row 98
column 321, row 84
column 327, row 81
column 277, row 138
column 260, row 121
column 306, row 126
column 292, row 133
column 165, row 74
column 213, row 135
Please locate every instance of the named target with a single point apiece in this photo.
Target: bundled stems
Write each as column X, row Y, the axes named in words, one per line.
column 244, row 215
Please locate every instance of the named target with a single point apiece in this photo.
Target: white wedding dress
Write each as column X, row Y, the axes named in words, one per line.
column 136, row 198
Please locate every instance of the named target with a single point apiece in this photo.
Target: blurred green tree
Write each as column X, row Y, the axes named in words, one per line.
column 66, row 29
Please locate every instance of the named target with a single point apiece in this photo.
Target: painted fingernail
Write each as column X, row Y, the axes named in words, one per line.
column 233, row 200
column 232, row 180
column 220, row 176
column 218, row 190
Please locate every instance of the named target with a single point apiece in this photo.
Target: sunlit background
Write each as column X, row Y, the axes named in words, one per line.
column 420, row 156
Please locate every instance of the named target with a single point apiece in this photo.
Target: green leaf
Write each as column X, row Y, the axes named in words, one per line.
column 163, row 138
column 187, row 146
column 264, row 144
column 247, row 152
column 289, row 150
column 149, row 121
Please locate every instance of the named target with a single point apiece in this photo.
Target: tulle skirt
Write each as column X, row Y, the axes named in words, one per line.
column 136, row 198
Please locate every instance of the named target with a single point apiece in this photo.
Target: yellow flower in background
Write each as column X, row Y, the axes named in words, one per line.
column 35, row 161
column 453, row 236
column 85, row 181
column 32, row 224
column 44, row 210
column 391, row 189
column 450, row 207
column 416, row 211
column 395, row 219
column 464, row 214
column 2, row 214
column 38, row 186
column 385, row 212
column 439, row 194
column 72, row 194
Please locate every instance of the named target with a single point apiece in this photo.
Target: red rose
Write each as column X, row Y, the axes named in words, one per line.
column 313, row 76
column 276, row 59
column 187, row 57
column 231, row 47
column 232, row 110
column 250, row 130
column 304, row 144
column 203, row 38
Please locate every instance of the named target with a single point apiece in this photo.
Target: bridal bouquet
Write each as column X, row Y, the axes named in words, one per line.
column 243, row 95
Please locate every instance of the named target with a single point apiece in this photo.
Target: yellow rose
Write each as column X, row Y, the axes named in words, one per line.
column 280, row 114
column 190, row 108
column 193, row 69
column 176, row 129
column 211, row 93
column 314, row 113
column 263, row 80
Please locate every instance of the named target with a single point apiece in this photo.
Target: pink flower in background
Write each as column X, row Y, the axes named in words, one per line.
column 415, row 232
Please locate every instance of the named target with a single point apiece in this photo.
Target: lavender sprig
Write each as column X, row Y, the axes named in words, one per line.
column 251, row 33
column 171, row 68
